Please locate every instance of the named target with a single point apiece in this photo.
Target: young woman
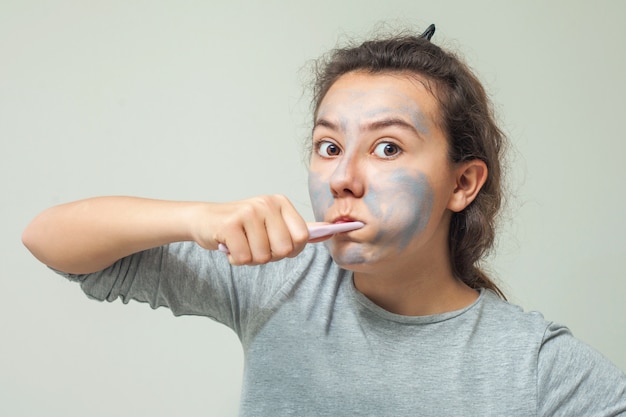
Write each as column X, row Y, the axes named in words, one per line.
column 394, row 318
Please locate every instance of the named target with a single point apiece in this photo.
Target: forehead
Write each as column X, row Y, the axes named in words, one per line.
column 360, row 93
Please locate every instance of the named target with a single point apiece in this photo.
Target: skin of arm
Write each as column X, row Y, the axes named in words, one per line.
column 88, row 235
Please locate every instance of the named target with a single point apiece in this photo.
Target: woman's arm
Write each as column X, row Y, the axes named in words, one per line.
column 88, row 235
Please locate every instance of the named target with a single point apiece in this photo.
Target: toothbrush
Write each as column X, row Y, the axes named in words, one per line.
column 317, row 231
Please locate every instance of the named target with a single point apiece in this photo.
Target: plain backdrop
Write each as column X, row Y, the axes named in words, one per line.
column 207, row 100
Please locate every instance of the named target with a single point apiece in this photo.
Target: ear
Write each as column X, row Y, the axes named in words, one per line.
column 470, row 177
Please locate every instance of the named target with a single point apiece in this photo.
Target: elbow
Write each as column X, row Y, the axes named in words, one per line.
column 33, row 237
column 29, row 238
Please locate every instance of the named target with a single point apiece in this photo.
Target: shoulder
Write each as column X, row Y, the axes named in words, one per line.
column 575, row 379
column 308, row 273
column 261, row 283
column 571, row 377
column 510, row 321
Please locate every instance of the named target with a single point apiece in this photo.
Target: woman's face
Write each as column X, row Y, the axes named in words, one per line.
column 379, row 157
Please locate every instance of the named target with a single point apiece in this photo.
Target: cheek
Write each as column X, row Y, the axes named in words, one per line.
column 320, row 195
column 403, row 202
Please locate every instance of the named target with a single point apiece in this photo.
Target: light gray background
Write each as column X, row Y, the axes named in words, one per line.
column 203, row 100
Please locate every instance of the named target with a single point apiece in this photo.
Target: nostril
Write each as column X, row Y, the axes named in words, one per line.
column 346, row 179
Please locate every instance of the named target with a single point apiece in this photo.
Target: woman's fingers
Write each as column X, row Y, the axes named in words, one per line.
column 259, row 230
column 291, row 235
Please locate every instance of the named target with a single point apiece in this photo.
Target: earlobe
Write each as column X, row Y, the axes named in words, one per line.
column 470, row 178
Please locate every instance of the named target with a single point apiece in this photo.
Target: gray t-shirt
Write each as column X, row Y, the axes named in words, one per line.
column 315, row 346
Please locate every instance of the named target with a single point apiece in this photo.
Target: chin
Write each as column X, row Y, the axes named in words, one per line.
column 350, row 255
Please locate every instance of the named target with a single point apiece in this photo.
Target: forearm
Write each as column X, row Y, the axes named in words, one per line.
column 89, row 235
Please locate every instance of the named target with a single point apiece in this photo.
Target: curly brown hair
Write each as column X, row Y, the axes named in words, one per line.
column 467, row 118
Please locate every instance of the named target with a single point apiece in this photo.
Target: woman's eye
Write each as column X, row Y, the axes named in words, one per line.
column 386, row 150
column 328, row 149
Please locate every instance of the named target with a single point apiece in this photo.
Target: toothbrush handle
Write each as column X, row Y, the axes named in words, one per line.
column 318, row 230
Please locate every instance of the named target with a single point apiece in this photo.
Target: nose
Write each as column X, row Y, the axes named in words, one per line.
column 347, row 179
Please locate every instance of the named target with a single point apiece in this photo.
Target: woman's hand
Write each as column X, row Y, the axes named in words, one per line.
column 256, row 230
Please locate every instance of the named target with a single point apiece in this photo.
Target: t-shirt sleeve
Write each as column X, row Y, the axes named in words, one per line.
column 189, row 281
column 576, row 380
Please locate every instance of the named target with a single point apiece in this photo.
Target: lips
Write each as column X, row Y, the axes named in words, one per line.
column 344, row 219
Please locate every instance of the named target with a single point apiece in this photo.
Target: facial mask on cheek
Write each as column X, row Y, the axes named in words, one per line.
column 320, row 195
column 403, row 203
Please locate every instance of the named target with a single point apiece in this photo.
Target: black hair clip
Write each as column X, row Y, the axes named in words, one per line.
column 428, row 33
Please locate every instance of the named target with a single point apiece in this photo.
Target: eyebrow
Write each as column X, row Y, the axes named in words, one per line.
column 325, row 123
column 376, row 125
column 381, row 124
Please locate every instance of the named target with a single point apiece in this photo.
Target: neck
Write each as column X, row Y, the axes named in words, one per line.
column 415, row 288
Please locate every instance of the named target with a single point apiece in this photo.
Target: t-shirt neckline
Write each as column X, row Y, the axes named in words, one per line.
column 380, row 312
